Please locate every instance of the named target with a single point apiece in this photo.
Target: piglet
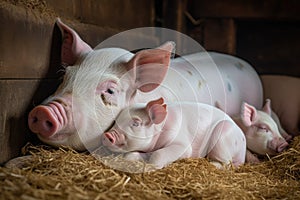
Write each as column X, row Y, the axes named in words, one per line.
column 164, row 133
column 261, row 131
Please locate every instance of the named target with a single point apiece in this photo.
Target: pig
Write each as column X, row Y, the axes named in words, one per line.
column 261, row 131
column 168, row 132
column 99, row 83
column 285, row 95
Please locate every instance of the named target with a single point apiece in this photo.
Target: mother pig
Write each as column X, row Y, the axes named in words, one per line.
column 99, row 83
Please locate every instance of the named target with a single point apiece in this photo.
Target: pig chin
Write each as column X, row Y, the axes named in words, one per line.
column 260, row 147
column 65, row 140
column 55, row 140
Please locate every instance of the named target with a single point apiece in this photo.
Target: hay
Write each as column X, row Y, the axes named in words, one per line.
column 66, row 174
column 37, row 7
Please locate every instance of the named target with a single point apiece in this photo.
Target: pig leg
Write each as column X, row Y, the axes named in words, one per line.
column 251, row 158
column 136, row 156
column 160, row 158
column 19, row 162
column 230, row 147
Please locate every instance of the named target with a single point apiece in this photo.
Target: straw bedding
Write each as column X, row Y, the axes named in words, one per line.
column 65, row 174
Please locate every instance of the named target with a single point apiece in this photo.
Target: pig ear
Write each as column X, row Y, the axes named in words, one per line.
column 267, row 107
column 157, row 110
column 72, row 45
column 159, row 101
column 248, row 114
column 149, row 67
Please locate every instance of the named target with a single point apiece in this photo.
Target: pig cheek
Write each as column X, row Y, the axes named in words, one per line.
column 135, row 145
column 257, row 141
column 85, row 125
column 141, row 141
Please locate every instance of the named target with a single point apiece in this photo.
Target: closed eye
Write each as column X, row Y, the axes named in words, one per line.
column 263, row 128
column 136, row 122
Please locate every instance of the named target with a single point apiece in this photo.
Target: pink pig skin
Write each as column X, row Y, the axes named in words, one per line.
column 99, row 83
column 176, row 130
column 284, row 91
column 261, row 131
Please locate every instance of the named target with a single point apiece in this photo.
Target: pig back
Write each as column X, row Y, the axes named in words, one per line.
column 197, row 125
column 210, row 78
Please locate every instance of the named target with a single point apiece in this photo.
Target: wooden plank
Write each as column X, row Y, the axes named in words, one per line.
column 17, row 98
column 271, row 47
column 70, row 9
column 118, row 13
column 219, row 35
column 173, row 14
column 30, row 43
column 267, row 9
column 24, row 43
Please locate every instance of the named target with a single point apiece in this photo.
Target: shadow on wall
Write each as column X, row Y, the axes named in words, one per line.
column 47, row 86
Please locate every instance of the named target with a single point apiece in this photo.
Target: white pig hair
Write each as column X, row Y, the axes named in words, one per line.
column 97, row 66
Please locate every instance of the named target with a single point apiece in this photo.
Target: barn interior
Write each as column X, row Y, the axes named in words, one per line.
column 264, row 33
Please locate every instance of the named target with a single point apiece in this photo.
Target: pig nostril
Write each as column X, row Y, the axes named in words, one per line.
column 35, row 120
column 49, row 124
column 282, row 147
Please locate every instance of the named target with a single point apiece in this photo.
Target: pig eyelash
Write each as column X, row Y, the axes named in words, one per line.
column 136, row 123
column 264, row 128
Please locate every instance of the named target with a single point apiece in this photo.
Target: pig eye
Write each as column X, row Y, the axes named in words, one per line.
column 136, row 123
column 263, row 128
column 109, row 91
column 266, row 130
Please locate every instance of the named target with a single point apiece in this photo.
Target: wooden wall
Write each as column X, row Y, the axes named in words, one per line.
column 264, row 32
column 30, row 52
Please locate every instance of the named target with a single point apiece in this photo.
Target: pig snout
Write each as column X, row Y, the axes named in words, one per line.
column 46, row 120
column 109, row 138
column 277, row 145
column 114, row 141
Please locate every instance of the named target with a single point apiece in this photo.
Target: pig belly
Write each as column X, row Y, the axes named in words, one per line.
column 211, row 79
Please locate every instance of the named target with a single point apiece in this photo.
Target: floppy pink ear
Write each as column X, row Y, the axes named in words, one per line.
column 72, row 45
column 149, row 67
column 157, row 110
column 159, row 101
column 248, row 114
column 267, row 107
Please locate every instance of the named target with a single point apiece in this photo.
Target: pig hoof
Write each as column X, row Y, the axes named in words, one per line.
column 217, row 164
column 19, row 162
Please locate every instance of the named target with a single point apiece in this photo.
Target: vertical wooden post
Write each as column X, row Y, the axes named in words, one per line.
column 220, row 35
